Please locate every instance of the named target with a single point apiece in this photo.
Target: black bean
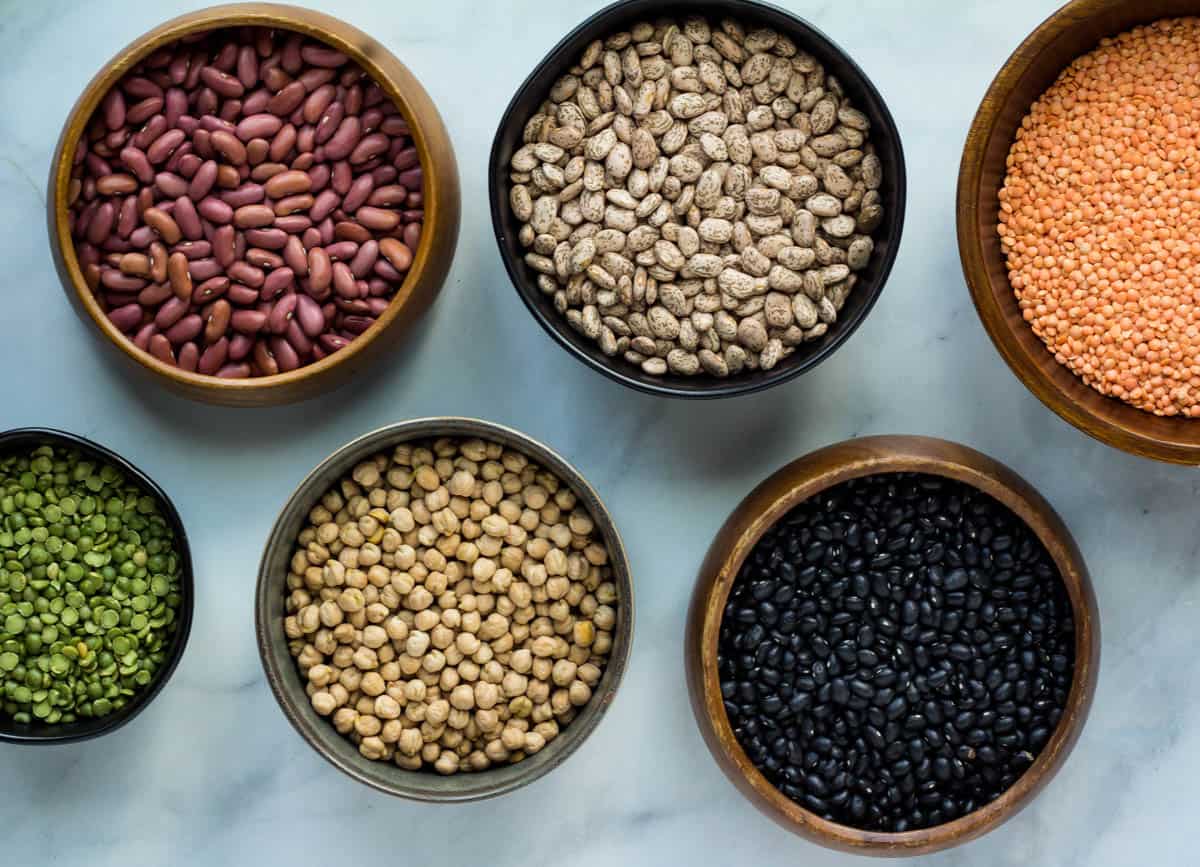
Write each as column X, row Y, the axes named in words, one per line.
column 896, row 651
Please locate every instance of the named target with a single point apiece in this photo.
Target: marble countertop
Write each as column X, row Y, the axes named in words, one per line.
column 212, row 773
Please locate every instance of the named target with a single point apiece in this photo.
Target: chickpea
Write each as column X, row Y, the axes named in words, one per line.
column 372, row 683
column 323, row 703
column 579, row 693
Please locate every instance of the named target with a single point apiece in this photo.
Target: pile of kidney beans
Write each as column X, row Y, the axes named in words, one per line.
column 245, row 201
column 896, row 652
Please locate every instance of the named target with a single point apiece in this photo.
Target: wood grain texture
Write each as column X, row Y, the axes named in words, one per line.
column 439, row 235
column 799, row 481
column 1071, row 31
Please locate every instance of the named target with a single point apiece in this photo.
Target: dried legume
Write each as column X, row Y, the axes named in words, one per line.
column 896, row 652
column 697, row 200
column 1099, row 217
column 89, row 587
column 245, row 201
column 450, row 606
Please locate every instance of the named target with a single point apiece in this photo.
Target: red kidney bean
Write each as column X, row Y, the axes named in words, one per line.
column 376, row 219
column 171, row 311
column 293, row 204
column 343, row 280
column 234, row 371
column 154, row 294
column 371, row 118
column 364, row 259
column 325, row 227
column 320, row 269
column 256, row 102
column 248, row 321
column 342, row 251
column 405, row 160
column 223, row 246
column 264, row 359
column 142, row 339
column 368, row 147
column 127, row 217
column 270, row 239
column 247, row 66
column 323, row 205
column 281, row 313
column 295, row 256
column 187, row 328
column 227, row 145
column 342, row 177
column 398, row 254
column 244, row 272
column 394, row 126
column 287, row 100
column 246, row 194
column 175, row 104
column 352, row 306
column 165, row 145
column 348, row 230
column 142, row 111
column 135, row 160
column 331, row 342
column 377, row 305
column 214, row 356
column 185, row 216
column 295, row 335
column 97, row 165
column 210, row 289
column 358, row 193
column 264, row 259
column 276, row 282
column 287, row 184
column 134, row 264
column 304, row 162
column 384, row 175
column 319, row 55
column 150, row 133
column 266, row 170
column 189, row 356
column 221, row 83
column 384, row 197
column 216, row 211
column 329, row 122
column 161, row 349
column 316, row 103
column 178, row 276
column 140, row 87
column 241, row 295
column 274, row 76
column 228, row 177
column 344, row 140
column 113, row 108
column 354, row 99
column 304, row 142
column 240, row 346
column 309, row 316
column 411, row 179
column 256, row 151
column 203, row 180
column 126, row 318
column 231, row 109
column 193, row 249
column 285, row 354
column 319, row 176
column 253, row 216
column 205, row 269
column 283, row 142
column 259, row 126
column 101, row 224
column 111, row 278
column 202, row 142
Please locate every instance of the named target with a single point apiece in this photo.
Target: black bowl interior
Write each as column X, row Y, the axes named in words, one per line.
column 862, row 94
column 43, row 733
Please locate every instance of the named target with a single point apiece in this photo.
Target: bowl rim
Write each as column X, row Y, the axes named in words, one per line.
column 440, row 192
column 991, row 300
column 623, row 372
column 797, row 482
column 16, row 437
column 269, row 633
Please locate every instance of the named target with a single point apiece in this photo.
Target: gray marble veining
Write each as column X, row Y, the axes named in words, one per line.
column 212, row 774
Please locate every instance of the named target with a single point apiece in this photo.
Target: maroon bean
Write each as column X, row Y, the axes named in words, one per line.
column 187, row 219
column 127, row 217
column 287, row 100
column 310, row 238
column 319, row 176
column 112, row 278
column 240, row 345
column 194, row 249
column 142, row 111
column 320, row 269
column 244, row 272
column 214, row 356
column 324, row 205
column 406, row 160
column 135, row 160
column 331, row 342
column 364, row 259
column 325, row 227
column 189, row 356
column 312, row 79
column 368, row 147
column 343, row 280
column 246, row 194
column 371, row 118
column 216, row 211
column 309, row 315
column 247, row 66
column 234, row 371
column 344, row 140
column 126, row 318
column 203, row 181
column 394, row 126
column 221, row 83
column 383, row 197
column 172, row 310
column 318, row 100
column 319, row 55
column 342, row 251
column 223, row 245
column 264, row 259
column 140, row 87
column 329, row 122
column 342, row 178
column 274, row 76
column 154, row 294
column 285, row 354
column 290, row 57
column 295, row 256
column 281, row 313
column 240, row 295
column 187, row 328
column 210, row 289
column 165, row 145
column 172, row 164
column 354, row 99
column 384, row 175
column 384, row 269
column 161, row 349
column 205, row 269
column 97, row 165
column 101, row 224
column 149, row 133
column 276, row 282
column 142, row 339
column 352, row 306
column 410, row 179
column 113, row 108
column 231, row 110
column 270, row 239
column 174, row 106
column 256, row 102
column 295, row 335
column 248, row 321
column 259, row 126
column 358, row 194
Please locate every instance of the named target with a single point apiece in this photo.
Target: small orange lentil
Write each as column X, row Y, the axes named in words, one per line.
column 1100, row 217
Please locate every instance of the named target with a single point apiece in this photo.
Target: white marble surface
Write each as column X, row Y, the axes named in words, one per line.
column 212, row 774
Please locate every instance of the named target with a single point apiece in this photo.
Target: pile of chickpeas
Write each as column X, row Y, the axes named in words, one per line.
column 450, row 605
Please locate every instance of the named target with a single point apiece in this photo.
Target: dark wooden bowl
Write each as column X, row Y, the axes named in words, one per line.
column 433, row 255
column 774, row 498
column 288, row 685
column 86, row 729
column 860, row 90
column 1073, row 30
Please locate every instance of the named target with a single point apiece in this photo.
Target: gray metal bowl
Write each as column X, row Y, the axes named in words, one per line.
column 285, row 679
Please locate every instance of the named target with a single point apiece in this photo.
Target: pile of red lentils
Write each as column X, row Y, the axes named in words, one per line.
column 1100, row 217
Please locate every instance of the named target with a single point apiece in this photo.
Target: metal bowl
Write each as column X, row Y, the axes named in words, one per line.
column 288, row 685
column 82, row 730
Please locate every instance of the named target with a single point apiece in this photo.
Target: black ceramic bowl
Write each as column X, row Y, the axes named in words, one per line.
column 60, row 733
column 858, row 88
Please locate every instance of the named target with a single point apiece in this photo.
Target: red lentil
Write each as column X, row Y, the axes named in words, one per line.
column 1100, row 217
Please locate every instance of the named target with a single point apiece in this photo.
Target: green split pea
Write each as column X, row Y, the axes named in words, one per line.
column 89, row 586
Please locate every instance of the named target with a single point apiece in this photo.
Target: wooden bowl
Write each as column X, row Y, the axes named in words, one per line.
column 1073, row 30
column 861, row 92
column 803, row 479
column 432, row 258
column 288, row 685
column 85, row 729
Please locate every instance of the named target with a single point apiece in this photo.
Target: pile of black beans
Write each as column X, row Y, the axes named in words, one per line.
column 896, row 651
